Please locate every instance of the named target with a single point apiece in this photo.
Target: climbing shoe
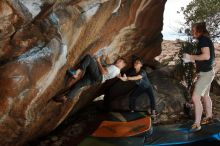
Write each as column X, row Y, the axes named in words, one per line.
column 206, row 121
column 154, row 118
column 195, row 128
column 71, row 72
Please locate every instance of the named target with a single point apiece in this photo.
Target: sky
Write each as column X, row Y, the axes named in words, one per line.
column 173, row 20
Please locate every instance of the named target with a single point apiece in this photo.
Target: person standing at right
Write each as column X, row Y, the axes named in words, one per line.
column 204, row 59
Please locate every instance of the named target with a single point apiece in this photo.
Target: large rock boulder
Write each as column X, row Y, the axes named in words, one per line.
column 40, row 40
column 215, row 88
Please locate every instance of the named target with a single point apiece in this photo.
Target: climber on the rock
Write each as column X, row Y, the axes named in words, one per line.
column 94, row 73
column 138, row 75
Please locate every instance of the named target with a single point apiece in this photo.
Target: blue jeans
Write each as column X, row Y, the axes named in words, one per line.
column 139, row 91
column 91, row 77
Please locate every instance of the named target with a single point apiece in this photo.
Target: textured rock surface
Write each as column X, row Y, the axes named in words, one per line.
column 40, row 39
column 216, row 84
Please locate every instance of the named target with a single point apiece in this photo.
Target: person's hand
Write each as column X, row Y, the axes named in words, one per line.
column 98, row 59
column 124, row 77
column 104, row 55
column 187, row 58
column 119, row 75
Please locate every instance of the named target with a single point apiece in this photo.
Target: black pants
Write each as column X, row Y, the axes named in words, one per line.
column 137, row 92
column 92, row 75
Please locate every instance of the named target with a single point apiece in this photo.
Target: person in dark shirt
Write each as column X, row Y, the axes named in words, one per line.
column 139, row 76
column 204, row 59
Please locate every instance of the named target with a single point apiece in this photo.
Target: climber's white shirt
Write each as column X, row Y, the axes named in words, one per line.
column 113, row 71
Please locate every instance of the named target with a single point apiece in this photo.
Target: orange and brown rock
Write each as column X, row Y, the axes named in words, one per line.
column 43, row 43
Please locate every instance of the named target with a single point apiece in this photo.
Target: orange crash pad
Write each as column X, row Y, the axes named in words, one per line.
column 123, row 129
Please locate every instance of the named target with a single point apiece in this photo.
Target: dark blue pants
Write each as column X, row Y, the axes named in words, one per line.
column 92, row 75
column 138, row 92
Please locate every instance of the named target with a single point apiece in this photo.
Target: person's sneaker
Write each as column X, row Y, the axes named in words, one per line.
column 60, row 99
column 154, row 113
column 71, row 72
column 154, row 118
column 195, row 128
column 206, row 121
